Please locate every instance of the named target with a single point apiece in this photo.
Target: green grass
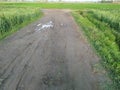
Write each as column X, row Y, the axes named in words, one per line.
column 11, row 22
column 63, row 5
column 103, row 38
column 100, row 23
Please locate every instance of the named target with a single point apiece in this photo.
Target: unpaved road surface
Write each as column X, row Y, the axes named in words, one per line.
column 49, row 54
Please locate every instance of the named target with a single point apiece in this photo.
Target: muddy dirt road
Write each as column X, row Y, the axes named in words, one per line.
column 49, row 54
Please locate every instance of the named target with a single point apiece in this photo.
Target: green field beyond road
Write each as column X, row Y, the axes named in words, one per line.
column 100, row 22
column 63, row 5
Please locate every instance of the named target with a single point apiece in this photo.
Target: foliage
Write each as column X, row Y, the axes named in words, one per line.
column 8, row 20
column 105, row 23
column 64, row 5
column 111, row 17
column 101, row 25
column 103, row 38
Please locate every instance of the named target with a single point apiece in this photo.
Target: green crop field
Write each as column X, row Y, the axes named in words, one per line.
column 99, row 22
column 63, row 5
column 102, row 27
column 12, row 18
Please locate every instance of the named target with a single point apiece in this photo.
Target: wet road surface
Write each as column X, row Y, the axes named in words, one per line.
column 49, row 54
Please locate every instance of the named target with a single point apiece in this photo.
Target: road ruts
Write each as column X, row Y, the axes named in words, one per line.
column 49, row 54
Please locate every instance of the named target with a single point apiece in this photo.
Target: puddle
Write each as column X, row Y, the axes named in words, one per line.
column 61, row 24
column 44, row 26
column 39, row 24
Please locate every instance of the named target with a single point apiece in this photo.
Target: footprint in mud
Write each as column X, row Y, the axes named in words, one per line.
column 58, row 80
column 54, row 80
column 20, row 87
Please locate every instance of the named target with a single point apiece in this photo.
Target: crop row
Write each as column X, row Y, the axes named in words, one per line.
column 10, row 18
column 105, row 23
column 103, row 39
column 64, row 5
column 112, row 18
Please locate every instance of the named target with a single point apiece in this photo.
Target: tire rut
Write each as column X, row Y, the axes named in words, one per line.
column 11, row 69
column 55, row 57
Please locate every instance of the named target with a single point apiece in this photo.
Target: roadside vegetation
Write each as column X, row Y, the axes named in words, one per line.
column 64, row 5
column 102, row 27
column 12, row 18
column 100, row 23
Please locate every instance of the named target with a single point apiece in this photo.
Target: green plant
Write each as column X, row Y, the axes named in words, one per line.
column 103, row 39
column 9, row 21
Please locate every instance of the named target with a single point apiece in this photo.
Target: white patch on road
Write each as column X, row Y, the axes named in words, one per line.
column 39, row 24
column 44, row 26
column 61, row 24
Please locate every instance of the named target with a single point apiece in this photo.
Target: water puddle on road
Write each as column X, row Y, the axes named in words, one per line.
column 41, row 26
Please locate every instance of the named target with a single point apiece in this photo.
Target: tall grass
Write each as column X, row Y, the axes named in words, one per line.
column 111, row 17
column 10, row 18
column 106, row 21
column 103, row 38
column 64, row 5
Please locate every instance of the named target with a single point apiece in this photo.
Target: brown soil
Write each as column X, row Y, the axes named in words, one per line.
column 49, row 54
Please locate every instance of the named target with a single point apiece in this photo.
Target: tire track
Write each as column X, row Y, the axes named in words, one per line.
column 55, row 57
column 24, row 59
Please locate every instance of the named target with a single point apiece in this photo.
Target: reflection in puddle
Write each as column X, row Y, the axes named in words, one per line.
column 39, row 24
column 44, row 26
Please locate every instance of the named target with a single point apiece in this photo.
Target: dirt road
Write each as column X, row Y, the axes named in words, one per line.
column 49, row 54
